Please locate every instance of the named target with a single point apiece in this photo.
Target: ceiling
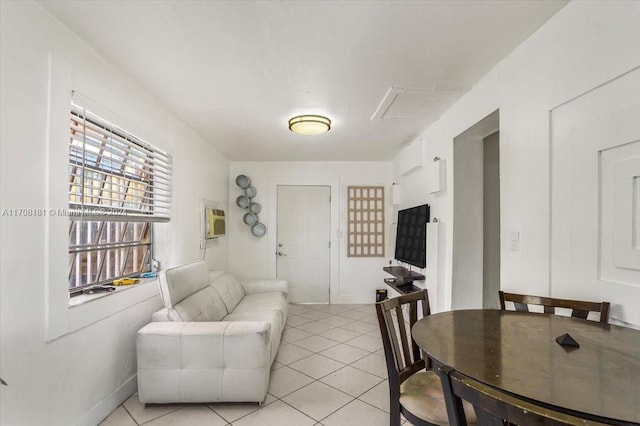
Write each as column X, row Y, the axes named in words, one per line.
column 236, row 71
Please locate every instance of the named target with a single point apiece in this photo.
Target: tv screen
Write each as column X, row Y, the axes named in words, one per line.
column 411, row 236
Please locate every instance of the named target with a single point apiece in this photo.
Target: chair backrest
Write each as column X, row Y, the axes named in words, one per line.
column 579, row 308
column 494, row 407
column 403, row 355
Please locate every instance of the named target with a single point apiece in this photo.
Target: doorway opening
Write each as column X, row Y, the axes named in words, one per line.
column 476, row 215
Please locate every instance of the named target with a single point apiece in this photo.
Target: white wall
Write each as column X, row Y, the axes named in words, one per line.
column 74, row 365
column 491, row 219
column 585, row 45
column 467, row 277
column 353, row 280
column 201, row 173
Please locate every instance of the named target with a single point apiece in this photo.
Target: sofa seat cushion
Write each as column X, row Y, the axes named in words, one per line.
column 264, row 302
column 230, row 290
column 204, row 305
column 273, row 317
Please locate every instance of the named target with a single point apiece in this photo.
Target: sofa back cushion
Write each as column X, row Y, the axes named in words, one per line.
column 204, row 305
column 181, row 281
column 187, row 295
column 229, row 288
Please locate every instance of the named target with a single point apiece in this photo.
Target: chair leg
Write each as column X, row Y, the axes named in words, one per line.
column 394, row 415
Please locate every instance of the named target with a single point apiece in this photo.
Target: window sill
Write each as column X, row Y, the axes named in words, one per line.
column 87, row 309
column 85, row 298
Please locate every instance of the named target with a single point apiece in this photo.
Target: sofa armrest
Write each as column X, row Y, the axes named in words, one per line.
column 202, row 345
column 203, row 361
column 265, row 285
column 161, row 315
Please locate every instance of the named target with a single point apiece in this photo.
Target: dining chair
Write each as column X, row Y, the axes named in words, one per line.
column 579, row 308
column 495, row 407
column 414, row 390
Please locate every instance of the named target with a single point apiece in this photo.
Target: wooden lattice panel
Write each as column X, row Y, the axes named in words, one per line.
column 365, row 221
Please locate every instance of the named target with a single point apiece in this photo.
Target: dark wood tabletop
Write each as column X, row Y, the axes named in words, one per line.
column 517, row 352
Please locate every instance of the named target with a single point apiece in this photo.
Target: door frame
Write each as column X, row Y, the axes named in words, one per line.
column 272, row 224
column 467, row 244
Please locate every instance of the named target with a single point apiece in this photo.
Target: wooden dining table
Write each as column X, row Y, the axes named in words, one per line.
column 517, row 352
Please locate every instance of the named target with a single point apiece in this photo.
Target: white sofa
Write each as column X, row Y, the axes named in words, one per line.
column 214, row 341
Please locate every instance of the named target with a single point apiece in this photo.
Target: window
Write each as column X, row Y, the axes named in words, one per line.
column 118, row 186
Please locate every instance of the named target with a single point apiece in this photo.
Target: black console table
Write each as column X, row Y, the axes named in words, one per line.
column 403, row 282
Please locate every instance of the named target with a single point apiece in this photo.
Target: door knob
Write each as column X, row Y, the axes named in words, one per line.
column 281, row 254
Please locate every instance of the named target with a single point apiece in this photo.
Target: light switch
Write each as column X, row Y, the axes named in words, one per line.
column 514, row 241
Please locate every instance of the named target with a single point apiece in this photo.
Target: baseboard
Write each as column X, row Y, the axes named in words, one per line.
column 361, row 299
column 103, row 408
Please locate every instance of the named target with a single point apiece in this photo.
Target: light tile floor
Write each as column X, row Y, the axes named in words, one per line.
column 329, row 371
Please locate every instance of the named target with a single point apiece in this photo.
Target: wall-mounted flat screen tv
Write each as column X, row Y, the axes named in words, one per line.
column 411, row 236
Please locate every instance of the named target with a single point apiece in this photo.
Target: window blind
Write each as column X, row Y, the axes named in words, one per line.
column 114, row 175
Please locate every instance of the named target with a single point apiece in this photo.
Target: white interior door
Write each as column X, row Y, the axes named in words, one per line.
column 595, row 205
column 303, row 249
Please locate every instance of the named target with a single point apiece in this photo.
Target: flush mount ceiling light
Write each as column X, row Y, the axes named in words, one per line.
column 309, row 124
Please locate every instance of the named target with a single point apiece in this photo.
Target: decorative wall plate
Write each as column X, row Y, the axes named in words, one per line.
column 255, row 208
column 243, row 201
column 250, row 218
column 250, row 191
column 243, row 181
column 258, row 229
